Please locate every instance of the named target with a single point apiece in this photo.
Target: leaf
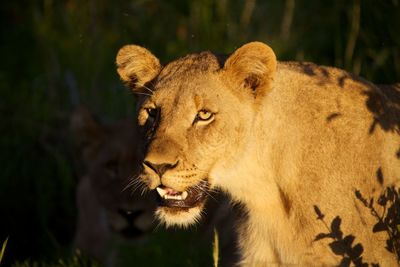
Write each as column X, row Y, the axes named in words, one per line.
column 379, row 227
column 338, row 247
column 389, row 246
column 357, row 251
column 335, row 228
column 391, row 194
column 371, row 203
column 348, row 240
column 379, row 175
column 319, row 213
column 345, row 262
column 382, row 200
column 360, row 197
column 359, row 262
column 3, row 249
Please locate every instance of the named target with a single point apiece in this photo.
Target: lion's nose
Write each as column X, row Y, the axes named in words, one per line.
column 160, row 169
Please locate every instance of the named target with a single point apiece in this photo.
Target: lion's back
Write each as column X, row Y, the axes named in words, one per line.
column 334, row 134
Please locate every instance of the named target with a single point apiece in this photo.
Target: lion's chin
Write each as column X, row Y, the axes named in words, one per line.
column 181, row 217
column 181, row 208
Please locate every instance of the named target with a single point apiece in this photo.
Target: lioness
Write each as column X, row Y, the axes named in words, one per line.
column 107, row 209
column 292, row 142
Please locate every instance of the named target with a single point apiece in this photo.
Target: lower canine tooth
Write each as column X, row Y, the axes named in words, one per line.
column 184, row 195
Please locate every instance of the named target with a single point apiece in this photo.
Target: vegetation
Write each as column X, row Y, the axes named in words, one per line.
column 60, row 53
column 76, row 260
column 3, row 249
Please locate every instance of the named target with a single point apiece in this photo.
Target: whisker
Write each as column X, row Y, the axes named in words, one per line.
column 147, row 88
column 214, row 190
column 144, row 189
column 205, row 191
column 211, row 196
column 136, row 184
column 133, row 182
column 140, row 93
column 203, row 213
column 138, row 187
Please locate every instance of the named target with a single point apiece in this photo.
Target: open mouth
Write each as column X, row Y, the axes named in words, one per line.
column 189, row 198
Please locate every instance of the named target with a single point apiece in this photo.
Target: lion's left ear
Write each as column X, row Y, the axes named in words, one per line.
column 252, row 67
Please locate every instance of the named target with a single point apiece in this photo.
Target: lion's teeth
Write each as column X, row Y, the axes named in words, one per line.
column 161, row 192
column 164, row 194
column 176, row 197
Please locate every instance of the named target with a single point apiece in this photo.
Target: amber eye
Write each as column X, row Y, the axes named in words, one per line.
column 204, row 115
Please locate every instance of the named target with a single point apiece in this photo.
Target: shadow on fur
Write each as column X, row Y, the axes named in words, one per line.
column 342, row 245
column 388, row 220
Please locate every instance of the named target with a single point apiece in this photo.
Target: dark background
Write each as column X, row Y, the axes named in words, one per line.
column 55, row 54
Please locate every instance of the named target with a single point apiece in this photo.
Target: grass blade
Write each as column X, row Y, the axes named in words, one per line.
column 3, row 249
column 216, row 248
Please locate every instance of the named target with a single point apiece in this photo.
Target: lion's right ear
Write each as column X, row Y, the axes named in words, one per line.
column 137, row 66
column 253, row 67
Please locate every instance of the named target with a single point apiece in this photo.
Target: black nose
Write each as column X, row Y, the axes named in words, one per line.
column 160, row 169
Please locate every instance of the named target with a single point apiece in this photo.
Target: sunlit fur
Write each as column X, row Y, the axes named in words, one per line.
column 285, row 137
column 181, row 219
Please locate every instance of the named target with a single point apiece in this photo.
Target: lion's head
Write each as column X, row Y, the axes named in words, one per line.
column 196, row 114
column 107, row 154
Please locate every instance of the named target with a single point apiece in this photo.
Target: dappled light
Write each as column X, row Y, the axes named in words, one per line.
column 59, row 56
column 342, row 245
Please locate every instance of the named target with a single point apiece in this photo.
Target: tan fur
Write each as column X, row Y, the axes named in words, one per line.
column 287, row 140
column 136, row 65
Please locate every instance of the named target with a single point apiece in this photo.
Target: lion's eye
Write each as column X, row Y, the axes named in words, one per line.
column 204, row 115
column 152, row 112
column 148, row 114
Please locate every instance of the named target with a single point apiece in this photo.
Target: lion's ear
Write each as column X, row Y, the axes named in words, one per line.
column 87, row 133
column 252, row 66
column 137, row 66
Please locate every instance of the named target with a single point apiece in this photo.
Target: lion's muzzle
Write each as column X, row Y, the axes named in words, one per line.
column 192, row 197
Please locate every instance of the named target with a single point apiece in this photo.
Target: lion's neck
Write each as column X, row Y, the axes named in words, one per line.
column 251, row 180
column 253, row 186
